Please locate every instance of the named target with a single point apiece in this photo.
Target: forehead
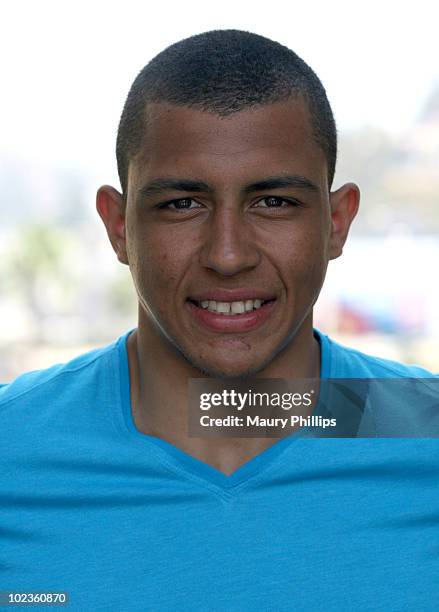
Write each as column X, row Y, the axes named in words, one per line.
column 269, row 139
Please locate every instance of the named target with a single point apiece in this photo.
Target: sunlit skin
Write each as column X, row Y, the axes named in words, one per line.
column 249, row 209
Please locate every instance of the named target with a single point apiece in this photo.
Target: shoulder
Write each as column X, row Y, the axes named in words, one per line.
column 60, row 377
column 347, row 362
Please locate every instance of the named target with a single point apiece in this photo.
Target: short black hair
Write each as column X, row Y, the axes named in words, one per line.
column 223, row 72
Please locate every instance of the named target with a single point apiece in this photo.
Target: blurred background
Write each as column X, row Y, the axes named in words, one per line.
column 66, row 70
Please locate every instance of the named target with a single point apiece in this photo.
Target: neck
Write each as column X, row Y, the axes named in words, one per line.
column 159, row 377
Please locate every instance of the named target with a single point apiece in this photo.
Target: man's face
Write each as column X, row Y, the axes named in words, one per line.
column 228, row 226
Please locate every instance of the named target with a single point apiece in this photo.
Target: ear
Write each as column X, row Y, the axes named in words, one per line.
column 344, row 206
column 111, row 209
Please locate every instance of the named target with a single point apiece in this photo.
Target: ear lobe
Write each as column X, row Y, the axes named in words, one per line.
column 111, row 208
column 344, row 206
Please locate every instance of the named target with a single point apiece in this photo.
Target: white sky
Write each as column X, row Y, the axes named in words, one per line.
column 67, row 66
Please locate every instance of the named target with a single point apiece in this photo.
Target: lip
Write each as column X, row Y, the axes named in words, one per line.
column 232, row 295
column 238, row 323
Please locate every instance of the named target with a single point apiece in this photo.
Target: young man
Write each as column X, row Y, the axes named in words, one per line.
column 226, row 153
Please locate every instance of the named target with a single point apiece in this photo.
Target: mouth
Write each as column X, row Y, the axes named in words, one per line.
column 233, row 309
column 231, row 316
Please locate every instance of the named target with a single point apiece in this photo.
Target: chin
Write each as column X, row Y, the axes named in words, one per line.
column 230, row 358
column 223, row 369
column 217, row 372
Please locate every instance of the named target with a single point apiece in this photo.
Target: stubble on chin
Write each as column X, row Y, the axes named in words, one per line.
column 201, row 366
column 212, row 371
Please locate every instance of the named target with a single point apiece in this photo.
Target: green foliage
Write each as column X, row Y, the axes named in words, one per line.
column 120, row 295
column 37, row 252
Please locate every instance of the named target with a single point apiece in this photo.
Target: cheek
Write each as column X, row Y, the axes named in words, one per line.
column 305, row 260
column 157, row 264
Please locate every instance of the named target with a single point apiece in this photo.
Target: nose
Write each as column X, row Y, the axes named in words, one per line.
column 229, row 246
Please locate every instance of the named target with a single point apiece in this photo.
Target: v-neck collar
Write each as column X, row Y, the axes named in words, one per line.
column 181, row 461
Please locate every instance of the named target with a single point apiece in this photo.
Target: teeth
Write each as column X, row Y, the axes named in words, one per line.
column 238, row 307
column 248, row 305
column 232, row 308
column 223, row 307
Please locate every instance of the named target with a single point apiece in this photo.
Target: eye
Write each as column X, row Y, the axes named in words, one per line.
column 181, row 204
column 275, row 202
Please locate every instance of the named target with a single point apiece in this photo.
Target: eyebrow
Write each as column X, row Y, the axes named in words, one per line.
column 280, row 182
column 160, row 185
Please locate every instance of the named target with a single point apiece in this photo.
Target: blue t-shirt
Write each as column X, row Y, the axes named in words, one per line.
column 125, row 521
